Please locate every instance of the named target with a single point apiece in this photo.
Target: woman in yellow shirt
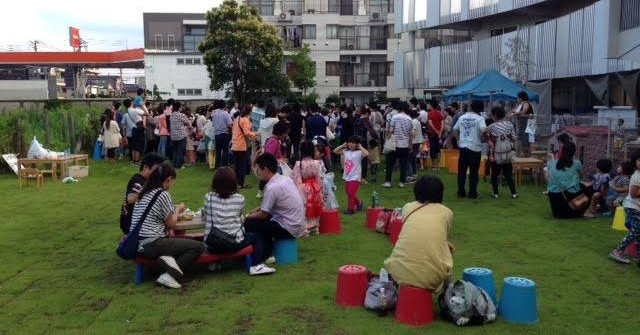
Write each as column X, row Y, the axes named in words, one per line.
column 422, row 256
column 240, row 134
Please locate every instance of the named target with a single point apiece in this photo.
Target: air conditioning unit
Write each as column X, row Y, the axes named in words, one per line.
column 284, row 17
column 376, row 17
column 354, row 59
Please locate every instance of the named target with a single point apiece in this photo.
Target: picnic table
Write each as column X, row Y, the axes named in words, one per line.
column 53, row 163
column 524, row 163
column 182, row 226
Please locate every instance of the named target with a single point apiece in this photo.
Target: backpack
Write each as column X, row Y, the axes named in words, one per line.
column 128, row 247
column 464, row 303
column 503, row 150
column 385, row 218
column 382, row 294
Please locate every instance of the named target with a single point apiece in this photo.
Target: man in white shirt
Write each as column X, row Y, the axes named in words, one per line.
column 470, row 127
column 400, row 128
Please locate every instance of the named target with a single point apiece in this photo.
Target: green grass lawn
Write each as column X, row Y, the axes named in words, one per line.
column 59, row 272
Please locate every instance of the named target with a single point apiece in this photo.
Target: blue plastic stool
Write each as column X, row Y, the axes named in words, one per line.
column 483, row 278
column 518, row 301
column 286, row 251
column 97, row 151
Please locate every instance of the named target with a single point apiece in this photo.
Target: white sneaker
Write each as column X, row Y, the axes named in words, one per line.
column 270, row 260
column 401, row 185
column 213, row 267
column 386, row 185
column 168, row 281
column 259, row 195
column 261, row 269
column 170, row 265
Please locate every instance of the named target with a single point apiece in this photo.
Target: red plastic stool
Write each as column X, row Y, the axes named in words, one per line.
column 414, row 307
column 330, row 222
column 631, row 249
column 395, row 227
column 372, row 216
column 353, row 281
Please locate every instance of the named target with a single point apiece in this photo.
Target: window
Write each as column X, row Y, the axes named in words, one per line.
column 347, row 36
column 380, row 6
column 309, row 31
column 346, row 7
column 171, row 42
column 503, row 30
column 158, row 41
column 332, row 69
column 188, row 61
column 196, row 61
column 181, row 91
column 197, row 91
column 189, row 91
column 264, row 7
column 332, row 31
column 180, row 61
column 192, row 38
column 334, row 6
column 291, row 69
column 378, row 38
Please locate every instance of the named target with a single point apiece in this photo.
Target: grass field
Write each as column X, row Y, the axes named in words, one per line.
column 59, row 272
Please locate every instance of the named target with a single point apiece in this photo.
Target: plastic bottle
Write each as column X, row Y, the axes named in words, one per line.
column 375, row 199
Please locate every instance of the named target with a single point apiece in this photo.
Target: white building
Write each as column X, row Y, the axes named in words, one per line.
column 171, row 59
column 590, row 50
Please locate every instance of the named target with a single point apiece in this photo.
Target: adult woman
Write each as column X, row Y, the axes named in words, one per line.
column 163, row 131
column 173, row 254
column 240, row 134
column 564, row 183
column 422, row 256
column 266, row 124
column 110, row 133
column 502, row 134
column 522, row 113
column 223, row 207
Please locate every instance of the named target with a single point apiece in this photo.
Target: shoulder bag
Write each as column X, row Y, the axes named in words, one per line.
column 128, row 246
column 404, row 220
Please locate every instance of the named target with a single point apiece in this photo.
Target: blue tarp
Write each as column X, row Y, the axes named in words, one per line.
column 488, row 85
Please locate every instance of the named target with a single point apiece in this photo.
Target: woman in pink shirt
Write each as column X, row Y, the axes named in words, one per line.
column 273, row 145
column 163, row 130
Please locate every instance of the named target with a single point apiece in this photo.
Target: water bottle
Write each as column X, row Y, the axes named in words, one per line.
column 375, row 199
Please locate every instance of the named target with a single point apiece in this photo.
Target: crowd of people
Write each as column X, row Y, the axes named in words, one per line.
column 293, row 151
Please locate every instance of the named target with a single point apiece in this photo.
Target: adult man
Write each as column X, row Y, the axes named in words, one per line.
column 457, row 113
column 316, row 124
column 128, row 125
column 281, row 215
column 296, row 120
column 469, row 128
column 178, row 130
column 222, row 123
column 400, row 128
column 134, row 187
column 434, row 133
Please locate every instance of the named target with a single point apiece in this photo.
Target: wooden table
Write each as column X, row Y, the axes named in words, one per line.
column 53, row 163
column 182, row 226
column 519, row 164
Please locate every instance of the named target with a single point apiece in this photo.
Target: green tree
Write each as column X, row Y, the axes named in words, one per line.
column 304, row 73
column 155, row 93
column 242, row 53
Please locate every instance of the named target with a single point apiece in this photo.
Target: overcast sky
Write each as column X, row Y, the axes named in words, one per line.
column 105, row 25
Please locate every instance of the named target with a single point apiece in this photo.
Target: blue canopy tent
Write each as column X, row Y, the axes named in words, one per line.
column 489, row 85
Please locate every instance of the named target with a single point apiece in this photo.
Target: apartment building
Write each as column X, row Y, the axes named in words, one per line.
column 172, row 61
column 589, row 50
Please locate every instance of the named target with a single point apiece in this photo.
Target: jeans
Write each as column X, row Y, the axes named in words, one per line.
column 264, row 231
column 162, row 146
column 507, row 172
column 240, row 166
column 222, row 149
column 412, row 167
column 179, row 150
column 470, row 160
column 184, row 250
column 402, row 155
column 351, row 187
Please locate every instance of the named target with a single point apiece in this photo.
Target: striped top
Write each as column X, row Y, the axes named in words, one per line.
column 402, row 126
column 153, row 226
column 501, row 128
column 224, row 214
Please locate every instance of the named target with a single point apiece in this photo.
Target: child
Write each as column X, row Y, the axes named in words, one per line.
column 600, row 187
column 619, row 186
column 631, row 214
column 374, row 159
column 307, row 174
column 353, row 154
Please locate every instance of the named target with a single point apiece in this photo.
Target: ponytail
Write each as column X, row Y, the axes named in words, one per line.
column 566, row 159
column 158, row 175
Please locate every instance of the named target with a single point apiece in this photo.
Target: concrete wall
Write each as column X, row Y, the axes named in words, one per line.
column 24, row 89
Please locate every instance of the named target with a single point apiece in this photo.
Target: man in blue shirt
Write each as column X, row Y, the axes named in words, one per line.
column 316, row 124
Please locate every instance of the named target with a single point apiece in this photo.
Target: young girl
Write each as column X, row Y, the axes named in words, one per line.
column 307, row 174
column 374, row 159
column 619, row 186
column 631, row 214
column 352, row 174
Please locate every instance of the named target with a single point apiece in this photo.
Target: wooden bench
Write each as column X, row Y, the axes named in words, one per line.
column 205, row 258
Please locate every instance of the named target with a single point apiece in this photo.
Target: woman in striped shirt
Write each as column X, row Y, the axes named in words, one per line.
column 173, row 254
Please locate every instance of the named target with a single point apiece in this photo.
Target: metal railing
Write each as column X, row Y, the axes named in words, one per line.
column 363, row 43
column 363, row 80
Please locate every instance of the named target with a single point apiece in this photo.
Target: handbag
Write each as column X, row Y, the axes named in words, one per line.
column 579, row 203
column 330, row 135
column 389, row 145
column 219, row 240
column 128, row 246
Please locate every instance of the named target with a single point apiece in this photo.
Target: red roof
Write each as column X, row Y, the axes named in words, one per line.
column 124, row 58
column 585, row 130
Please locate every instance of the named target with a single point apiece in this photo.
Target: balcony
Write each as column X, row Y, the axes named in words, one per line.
column 363, row 80
column 374, row 8
column 363, row 37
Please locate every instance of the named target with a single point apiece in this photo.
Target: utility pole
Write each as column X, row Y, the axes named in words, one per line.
column 34, row 45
